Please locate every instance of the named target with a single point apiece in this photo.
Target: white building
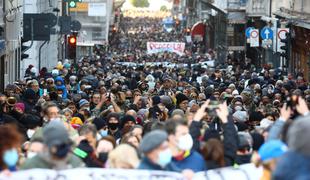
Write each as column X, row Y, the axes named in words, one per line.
column 49, row 51
column 12, row 21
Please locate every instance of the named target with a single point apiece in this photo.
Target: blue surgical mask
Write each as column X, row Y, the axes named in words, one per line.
column 10, row 157
column 164, row 157
column 103, row 133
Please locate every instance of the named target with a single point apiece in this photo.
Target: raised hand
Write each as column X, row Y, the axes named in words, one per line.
column 285, row 112
column 222, row 112
column 201, row 111
column 302, row 107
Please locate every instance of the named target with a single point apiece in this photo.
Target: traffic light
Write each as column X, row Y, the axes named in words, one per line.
column 71, row 41
column 286, row 46
column 23, row 49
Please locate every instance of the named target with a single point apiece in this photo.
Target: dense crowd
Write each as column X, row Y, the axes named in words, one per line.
column 98, row 113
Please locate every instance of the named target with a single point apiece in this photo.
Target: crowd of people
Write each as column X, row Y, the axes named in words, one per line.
column 98, row 113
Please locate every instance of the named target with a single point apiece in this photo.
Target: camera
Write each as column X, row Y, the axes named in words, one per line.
column 211, row 109
column 292, row 101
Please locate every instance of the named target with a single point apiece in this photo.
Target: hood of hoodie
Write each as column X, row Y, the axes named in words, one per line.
column 59, row 78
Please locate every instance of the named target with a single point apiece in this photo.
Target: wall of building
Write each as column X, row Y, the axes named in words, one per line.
column 277, row 4
column 302, row 5
column 49, row 52
column 12, row 21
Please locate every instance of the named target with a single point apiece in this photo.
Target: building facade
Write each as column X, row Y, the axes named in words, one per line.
column 236, row 22
column 296, row 16
column 48, row 57
column 95, row 17
column 11, row 21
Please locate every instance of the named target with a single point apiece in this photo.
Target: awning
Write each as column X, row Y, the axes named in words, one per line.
column 198, row 29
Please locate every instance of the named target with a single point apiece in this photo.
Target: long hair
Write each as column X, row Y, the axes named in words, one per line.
column 213, row 150
column 9, row 138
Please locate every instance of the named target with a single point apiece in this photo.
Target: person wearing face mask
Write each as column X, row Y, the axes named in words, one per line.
column 35, row 147
column 60, row 84
column 10, row 140
column 84, row 104
column 34, row 85
column 57, row 147
column 104, row 146
column 181, row 143
column 114, row 125
column 102, row 128
column 86, row 150
column 157, row 154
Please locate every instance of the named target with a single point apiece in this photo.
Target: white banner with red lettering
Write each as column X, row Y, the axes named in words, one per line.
column 157, row 47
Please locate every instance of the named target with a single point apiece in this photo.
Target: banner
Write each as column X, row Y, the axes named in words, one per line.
column 244, row 172
column 157, row 47
column 92, row 174
column 166, row 64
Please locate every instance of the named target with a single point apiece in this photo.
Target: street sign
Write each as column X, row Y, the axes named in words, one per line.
column 266, row 33
column 266, row 43
column 97, row 9
column 254, row 38
column 248, row 31
column 75, row 25
column 280, row 36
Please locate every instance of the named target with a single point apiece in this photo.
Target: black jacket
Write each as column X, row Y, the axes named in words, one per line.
column 194, row 131
column 230, row 142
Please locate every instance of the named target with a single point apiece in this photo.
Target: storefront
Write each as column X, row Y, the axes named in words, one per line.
column 300, row 51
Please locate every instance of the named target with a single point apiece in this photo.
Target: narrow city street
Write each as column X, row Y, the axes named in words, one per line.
column 154, row 89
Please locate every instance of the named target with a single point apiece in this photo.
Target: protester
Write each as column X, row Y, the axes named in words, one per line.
column 56, row 154
column 183, row 113
column 10, row 142
column 268, row 155
column 181, row 143
column 123, row 156
column 157, row 155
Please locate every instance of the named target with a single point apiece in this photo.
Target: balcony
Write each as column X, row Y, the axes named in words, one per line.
column 257, row 8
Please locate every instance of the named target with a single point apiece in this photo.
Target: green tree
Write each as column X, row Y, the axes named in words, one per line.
column 163, row 8
column 140, row 3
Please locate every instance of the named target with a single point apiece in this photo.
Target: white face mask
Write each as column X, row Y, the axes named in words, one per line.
column 185, row 142
column 30, row 133
column 238, row 108
column 31, row 154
